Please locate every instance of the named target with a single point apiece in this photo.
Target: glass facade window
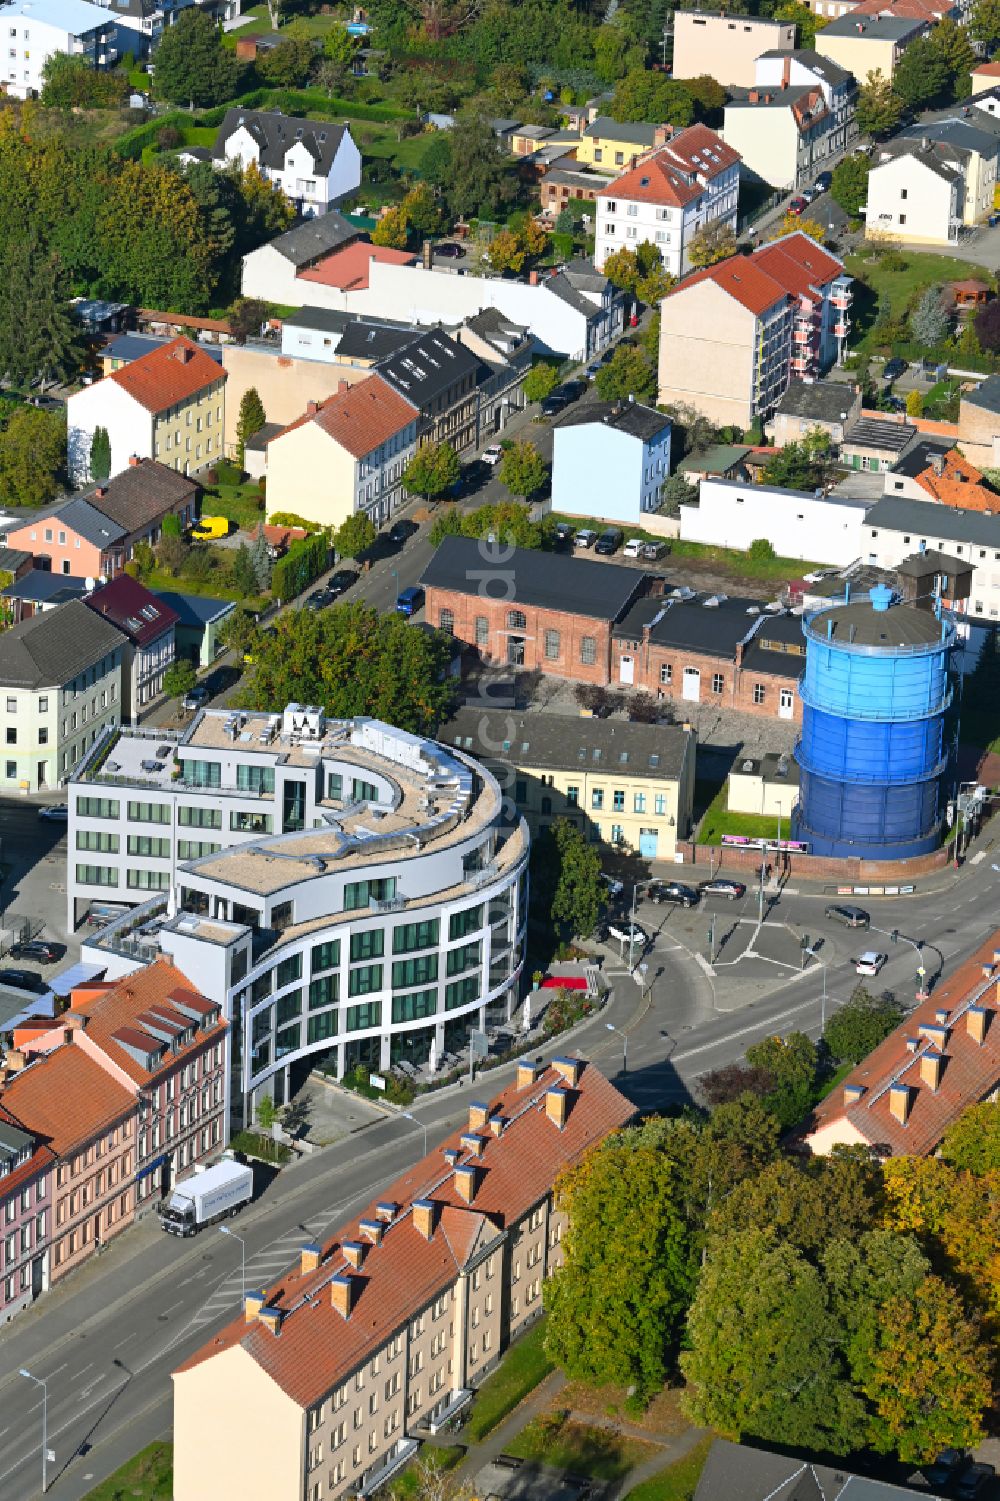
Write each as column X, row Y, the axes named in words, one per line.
column 288, row 970
column 321, row 1028
column 263, row 1025
column 202, row 773
column 98, row 807
column 193, row 849
column 97, row 875
column 364, row 792
column 324, row 992
column 199, row 818
column 461, row 992
column 365, row 979
column 413, row 1007
column 256, row 779
column 262, row 986
column 145, row 844
column 95, row 840
column 468, row 921
column 415, row 935
column 370, row 945
column 325, row 955
column 359, row 894
column 418, row 971
column 149, row 812
column 288, row 1007
column 467, row 957
column 251, row 823
column 360, row 1018
column 287, row 1041
column 149, row 880
column 334, row 786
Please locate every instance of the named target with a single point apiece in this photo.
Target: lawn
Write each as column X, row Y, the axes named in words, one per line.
column 565, row 1445
column 408, row 1483
column 676, row 1482
column 921, row 270
column 216, row 586
column 522, row 1368
column 718, row 821
column 149, row 1475
column 240, row 502
column 725, row 559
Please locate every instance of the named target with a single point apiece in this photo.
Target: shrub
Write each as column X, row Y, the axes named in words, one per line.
column 167, row 137
column 304, row 561
column 761, row 551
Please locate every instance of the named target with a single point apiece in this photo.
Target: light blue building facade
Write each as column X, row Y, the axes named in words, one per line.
column 609, row 461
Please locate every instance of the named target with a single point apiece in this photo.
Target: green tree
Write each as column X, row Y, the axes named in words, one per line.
column 627, row 373
column 240, row 632
column 653, row 98
column 432, row 471
column 250, row 420
column 849, row 186
column 807, row 24
column 179, row 678
column 617, row 1304
column 192, row 66
column 267, row 1112
column 100, row 454
column 32, row 457
column 287, row 66
column 929, row 323
column 715, row 241
column 449, row 522
column 984, row 23
column 800, row 465
column 676, row 492
column 480, row 178
column 709, row 98
column 246, row 317
column 807, row 1203
column 351, row 660
column 540, row 381
column 951, row 43
column 972, row 1143
column 423, row 209
column 39, row 340
column 622, row 269
column 616, row 49
column 922, row 74
column 791, row 1062
column 568, row 872
column 340, row 46
column 243, row 574
column 73, row 83
column 261, row 561
column 522, row 468
column 862, row 1272
column 354, row 535
column 436, row 163
column 507, row 520
column 878, row 109
column 506, row 252
column 392, row 229
column 858, row 1027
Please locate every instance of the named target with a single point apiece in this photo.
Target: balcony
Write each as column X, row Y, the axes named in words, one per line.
column 841, row 295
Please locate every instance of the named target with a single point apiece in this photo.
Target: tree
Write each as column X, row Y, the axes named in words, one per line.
column 246, row 317
column 921, row 75
column 858, row 1027
column 422, row 209
column 261, row 561
column 39, row 340
column 505, row 520
column 878, row 109
column 73, row 83
column 250, row 420
column 676, row 492
column 693, row 433
column 653, row 98
column 615, row 49
column 654, row 284
column 708, row 96
column 32, row 457
column 791, row 1061
column 797, row 224
column 622, row 269
column 351, row 660
column 267, row 1112
column 951, row 43
column 432, row 471
column 354, row 535
column 340, row 46
column 801, row 465
column 806, row 22
column 100, row 454
column 849, row 187
column 192, row 66
column 914, row 404
column 627, row 373
column 287, row 66
column 973, row 1141
column 984, row 23
column 479, row 177
column 522, row 468
column 179, row 678
column 568, row 874
column 244, row 577
column 987, row 325
column 715, row 241
column 240, row 632
column 807, row 1203
column 540, row 381
column 172, row 553
column 617, row 1304
column 506, row 251
column 392, row 229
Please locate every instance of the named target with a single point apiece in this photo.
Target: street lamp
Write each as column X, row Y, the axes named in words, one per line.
column 45, row 1424
column 624, row 1038
column 225, row 1230
column 408, row 1117
column 652, row 881
column 822, row 1012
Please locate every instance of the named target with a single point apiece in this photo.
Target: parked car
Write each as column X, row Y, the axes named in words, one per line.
column 869, row 963
column 823, row 182
column 340, row 581
column 851, row 917
column 38, row 949
column 723, row 886
column 632, row 548
column 402, row 531
column 673, row 891
column 554, row 403
column 973, row 1481
column 585, row 537
column 893, row 369
column 590, row 371
column 653, row 551
column 609, row 542
column 798, row 206
column 22, row 979
column 54, row 813
column 318, row 600
column 572, row 389
column 450, row 251
column 492, row 455
column 210, row 528
column 410, row 600
column 195, row 698
column 630, row 933
column 564, row 534
column 808, row 194
column 947, row 1467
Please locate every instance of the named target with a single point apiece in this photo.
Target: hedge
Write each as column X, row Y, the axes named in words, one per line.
column 304, row 561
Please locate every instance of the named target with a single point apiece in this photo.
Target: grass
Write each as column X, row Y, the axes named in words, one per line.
column 741, row 565
column 522, row 1368
column 255, row 1144
column 903, row 286
column 677, row 1481
column 240, row 502
column 718, row 821
column 408, row 1483
column 212, row 588
column 149, row 1475
column 558, row 1441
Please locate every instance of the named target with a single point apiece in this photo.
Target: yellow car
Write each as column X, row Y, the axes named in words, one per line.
column 210, row 528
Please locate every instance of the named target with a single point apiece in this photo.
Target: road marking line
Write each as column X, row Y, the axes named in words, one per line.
column 125, row 1340
column 86, row 1368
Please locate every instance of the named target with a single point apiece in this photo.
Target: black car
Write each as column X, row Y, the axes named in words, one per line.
column 974, row 1481
column 341, row 580
column 572, row 389
column 401, row 531
column 563, row 534
column 823, row 181
column 318, row 600
column 893, row 369
column 673, row 891
column 38, row 949
column 609, row 542
column 23, row 979
column 947, row 1467
column 554, row 403
column 850, row 917
column 723, row 886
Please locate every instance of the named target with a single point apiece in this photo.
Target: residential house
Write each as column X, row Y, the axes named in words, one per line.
column 589, row 771
column 439, row 377
column 668, row 196
column 896, row 527
column 126, row 347
column 199, row 625
column 925, row 10
column 61, row 683
column 313, row 162
column 978, row 428
column 807, row 68
column 784, row 137
column 985, row 76
column 761, row 1475
column 562, row 185
column 344, row 455
column 335, row 337
column 169, row 405
column 726, row 46
column 504, row 350
column 148, row 626
column 831, row 406
column 142, row 23
column 925, row 186
column 901, row 1099
column 273, row 268
column 25, row 1215
column 825, row 528
column 255, row 449
column 875, row 442
column 609, row 461
column 610, row 146
column 869, row 44
column 285, row 383
column 725, row 653
column 934, row 469
column 766, row 786
column 348, row 268
column 383, row 1331
column 555, row 614
column 95, row 535
column 734, row 334
column 721, row 461
column 35, row 30
column 38, row 590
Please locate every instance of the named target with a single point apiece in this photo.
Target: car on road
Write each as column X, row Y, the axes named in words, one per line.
column 676, row 892
column 850, row 917
column 554, row 403
column 318, row 600
column 823, row 182
column 633, row 548
column 798, row 206
column 609, row 541
column 450, row 251
column 809, row 194
column 974, row 1481
column 572, row 389
column 402, row 531
column 492, row 455
column 341, row 581
column 946, row 1468
column 54, row 813
column 893, row 369
column 38, row 949
column 410, row 600
column 47, row 403
column 22, row 979
column 590, row 371
column 723, row 886
column 195, row 698
column 630, row 933
column 869, row 963
column 585, row 537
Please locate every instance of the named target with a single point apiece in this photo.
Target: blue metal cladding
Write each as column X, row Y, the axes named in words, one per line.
column 864, row 750
column 862, row 686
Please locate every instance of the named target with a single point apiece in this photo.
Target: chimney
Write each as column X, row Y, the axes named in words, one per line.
column 853, row 1093
column 101, row 491
column 427, row 254
column 532, row 278
column 899, row 1102
column 342, row 1294
column 451, row 1155
column 424, row 1216
column 556, row 1101
column 987, row 971
column 312, row 407
column 342, row 386
column 479, row 1114
column 465, row 1182
column 374, row 1229
column 14, row 1058
column 977, row 1021
column 473, row 1142
column 754, row 96
column 310, row 1256
column 387, row 1210
column 941, row 1015
column 931, row 1068
column 568, row 1069
column 786, row 71
column 527, row 1073
column 354, row 1253
column 912, row 1043
column 183, row 354
column 497, row 1124
column 935, row 1035
column 937, row 463
column 271, row 1319
column 134, row 461
column 252, row 1305
column 662, row 134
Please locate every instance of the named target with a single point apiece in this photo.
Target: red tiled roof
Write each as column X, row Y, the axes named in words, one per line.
column 130, row 606
column 960, row 484
column 41, row 1158
column 669, row 175
column 971, row 1069
column 907, row 10
column 66, row 1098
column 793, row 266
column 165, row 376
column 744, row 281
column 360, row 418
column 315, row 1347
column 348, row 269
column 991, row 70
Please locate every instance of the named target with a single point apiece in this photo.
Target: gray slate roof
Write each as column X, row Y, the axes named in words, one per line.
column 823, row 400
column 986, row 395
column 830, row 72
column 714, row 630
column 276, row 133
column 52, row 648
column 141, row 493
column 919, row 454
column 886, row 28
column 874, row 432
column 962, row 135
column 626, row 416
column 429, row 365
column 576, row 586
column 927, row 519
column 564, row 743
column 315, row 237
column 82, row 517
column 637, row 133
column 736, row 1472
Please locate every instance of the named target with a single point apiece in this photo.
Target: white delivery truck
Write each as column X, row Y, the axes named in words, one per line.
column 209, row 1195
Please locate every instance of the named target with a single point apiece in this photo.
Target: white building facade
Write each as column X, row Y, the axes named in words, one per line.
column 313, row 162
column 35, row 30
column 797, row 523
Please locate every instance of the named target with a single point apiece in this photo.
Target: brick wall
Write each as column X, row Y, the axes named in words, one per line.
column 736, row 690
column 821, row 867
column 498, row 614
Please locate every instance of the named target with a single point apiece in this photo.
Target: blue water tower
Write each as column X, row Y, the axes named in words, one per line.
column 872, row 754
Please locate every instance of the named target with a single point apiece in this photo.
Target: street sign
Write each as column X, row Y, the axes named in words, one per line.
column 376, row 1081
column 479, row 1043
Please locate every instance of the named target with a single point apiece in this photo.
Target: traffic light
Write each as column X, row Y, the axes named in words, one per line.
column 894, row 935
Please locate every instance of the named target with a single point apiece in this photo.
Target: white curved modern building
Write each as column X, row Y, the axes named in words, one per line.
column 382, row 915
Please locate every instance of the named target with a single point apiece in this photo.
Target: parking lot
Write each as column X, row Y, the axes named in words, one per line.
column 33, row 888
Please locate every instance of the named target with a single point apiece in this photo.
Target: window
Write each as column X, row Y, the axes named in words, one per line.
column 415, row 935
column 96, row 841
column 552, row 645
column 759, row 693
column 98, row 807
column 446, row 620
column 369, row 945
column 199, row 818
column 324, row 992
column 364, row 980
column 251, row 823
column 202, row 773
column 417, row 971
column 359, row 894
column 466, row 957
column 360, row 1018
column 718, row 682
column 638, row 802
column 148, row 880
column 461, row 992
column 588, row 650
column 258, row 779
column 597, row 798
column 325, row 955
column 149, row 812
column 414, row 1006
column 288, row 971
column 573, row 797
column 145, row 844
column 469, row 920
column 517, row 620
column 193, row 849
column 660, row 804
column 482, row 632
column 97, row 875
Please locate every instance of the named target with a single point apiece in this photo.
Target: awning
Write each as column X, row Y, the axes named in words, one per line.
column 151, row 1167
column 77, row 974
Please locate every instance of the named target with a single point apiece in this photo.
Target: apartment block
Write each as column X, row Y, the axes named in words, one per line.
column 25, row 1215
column 863, row 44
column 381, row 1333
column 726, row 46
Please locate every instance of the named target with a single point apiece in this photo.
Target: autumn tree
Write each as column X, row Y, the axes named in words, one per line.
column 878, row 108
column 507, row 252
column 392, row 229
column 808, row 1203
column 798, row 223
column 621, row 268
column 32, row 457
column 522, row 468
column 540, row 381
column 715, row 241
column 627, row 373
column 432, row 471
column 973, row 1141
